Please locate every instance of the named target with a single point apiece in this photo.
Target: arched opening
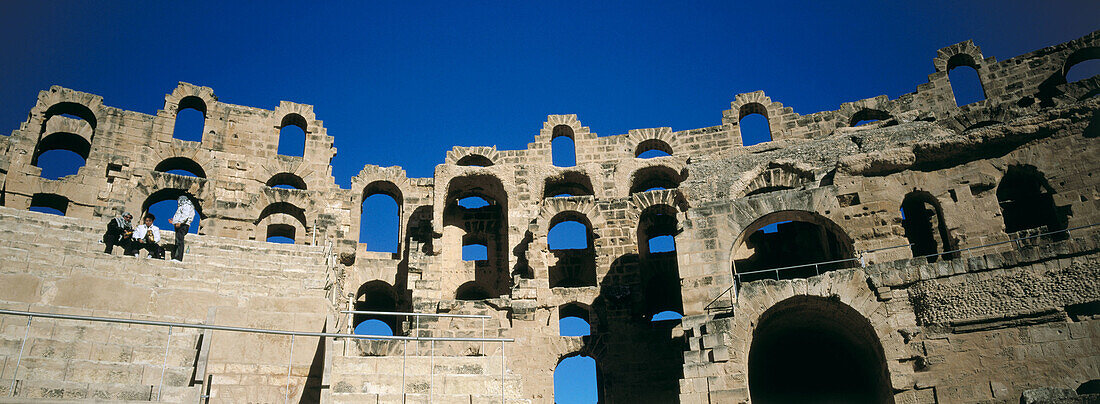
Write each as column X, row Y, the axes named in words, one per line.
column 376, row 295
column 652, row 148
column 60, row 154
column 190, row 119
column 474, row 248
column 966, row 84
column 570, row 183
column 50, row 204
column 574, row 320
column 181, row 166
column 922, row 219
column 575, row 380
column 472, row 291
column 752, row 120
column 380, row 217
column 657, row 228
column 284, row 218
column 1027, row 201
column 1082, row 64
column 866, row 116
column 791, row 238
column 163, row 204
column 765, row 190
column 287, row 181
column 72, row 109
column 292, row 136
column 654, row 178
column 280, row 234
column 563, row 149
column 813, row 349
column 571, row 241
column 476, row 212
column 474, row 160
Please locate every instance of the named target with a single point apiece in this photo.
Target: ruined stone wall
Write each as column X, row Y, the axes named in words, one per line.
column 945, row 330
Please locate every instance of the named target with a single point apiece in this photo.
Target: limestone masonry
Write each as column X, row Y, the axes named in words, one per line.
column 925, row 253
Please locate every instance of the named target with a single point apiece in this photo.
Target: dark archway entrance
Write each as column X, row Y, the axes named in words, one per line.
column 810, row 349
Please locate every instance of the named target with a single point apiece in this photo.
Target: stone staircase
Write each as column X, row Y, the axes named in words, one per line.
column 439, row 379
column 56, row 264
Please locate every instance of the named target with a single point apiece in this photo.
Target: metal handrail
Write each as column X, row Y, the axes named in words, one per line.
column 398, row 313
column 737, row 276
column 244, row 329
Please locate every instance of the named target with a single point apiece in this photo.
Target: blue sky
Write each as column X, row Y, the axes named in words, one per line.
column 400, row 83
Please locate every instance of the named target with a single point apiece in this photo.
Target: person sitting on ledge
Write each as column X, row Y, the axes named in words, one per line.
column 147, row 236
column 118, row 232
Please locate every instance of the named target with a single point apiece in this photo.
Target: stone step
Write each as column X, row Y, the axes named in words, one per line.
column 39, row 391
column 413, row 398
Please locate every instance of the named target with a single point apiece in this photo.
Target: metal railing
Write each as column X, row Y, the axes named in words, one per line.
column 733, row 289
column 171, row 325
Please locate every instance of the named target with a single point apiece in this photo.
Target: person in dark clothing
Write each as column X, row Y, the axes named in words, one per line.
column 118, row 233
column 185, row 213
column 147, row 236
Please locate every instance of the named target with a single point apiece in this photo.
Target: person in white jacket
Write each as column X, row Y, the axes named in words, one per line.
column 146, row 236
column 185, row 213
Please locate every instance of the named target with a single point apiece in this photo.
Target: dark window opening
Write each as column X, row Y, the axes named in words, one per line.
column 50, row 204
column 472, row 291
column 376, row 296
column 753, row 122
column 163, row 205
column 654, row 178
column 181, row 166
column 791, row 239
column 865, row 116
column 922, row 219
column 1027, row 201
column 60, row 154
column 1082, row 64
column 474, row 160
column 476, row 212
column 966, row 84
column 292, row 136
column 71, row 110
column 573, row 320
column 652, row 148
column 575, row 381
column 280, row 234
column 767, row 189
column 567, row 184
column 287, row 181
column 571, row 241
column 190, row 119
column 657, row 228
column 812, row 349
column 563, row 148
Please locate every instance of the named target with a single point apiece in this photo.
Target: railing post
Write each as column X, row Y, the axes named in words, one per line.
column 15, row 374
column 502, row 366
column 404, row 358
column 482, row 349
column 431, row 372
column 777, row 274
column 164, row 363
column 816, row 272
column 289, row 362
column 416, row 329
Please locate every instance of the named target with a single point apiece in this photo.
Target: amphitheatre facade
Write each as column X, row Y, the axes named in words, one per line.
column 925, row 252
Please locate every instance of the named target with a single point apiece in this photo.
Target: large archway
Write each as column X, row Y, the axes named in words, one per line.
column 792, row 241
column 810, row 349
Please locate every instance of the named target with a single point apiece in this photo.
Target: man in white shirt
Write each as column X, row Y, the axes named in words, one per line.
column 147, row 236
column 185, row 212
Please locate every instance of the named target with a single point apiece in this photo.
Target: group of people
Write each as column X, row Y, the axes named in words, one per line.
column 146, row 236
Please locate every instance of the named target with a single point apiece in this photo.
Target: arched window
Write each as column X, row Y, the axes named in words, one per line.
column 575, row 381
column 652, row 148
column 380, row 217
column 922, row 219
column 573, row 320
column 654, row 178
column 292, row 136
column 472, row 291
column 962, row 74
column 866, row 116
column 660, row 273
column 163, row 204
column 280, row 234
column 570, row 183
column 794, row 240
column 49, row 203
column 474, row 248
column 571, row 241
column 475, row 160
column 476, row 212
column 753, row 122
column 60, row 154
column 562, row 147
column 287, row 181
column 190, row 119
column 73, row 110
column 376, row 295
column 1027, row 201
column 1082, row 64
column 181, row 166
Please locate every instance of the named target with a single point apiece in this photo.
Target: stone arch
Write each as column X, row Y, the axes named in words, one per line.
column 282, row 216
column 791, row 341
column 961, row 54
column 963, row 120
column 166, row 194
column 72, row 108
column 925, row 226
column 50, row 201
column 488, row 224
column 180, row 163
column 287, row 179
column 581, row 311
column 561, row 125
column 292, row 114
column 190, row 102
column 774, row 176
column 659, row 270
column 655, row 176
column 377, row 295
column 1078, row 56
column 808, row 238
column 472, row 290
column 61, row 141
column 589, row 352
column 573, row 267
column 639, row 141
column 1026, row 200
column 478, row 156
column 573, row 182
column 867, row 114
